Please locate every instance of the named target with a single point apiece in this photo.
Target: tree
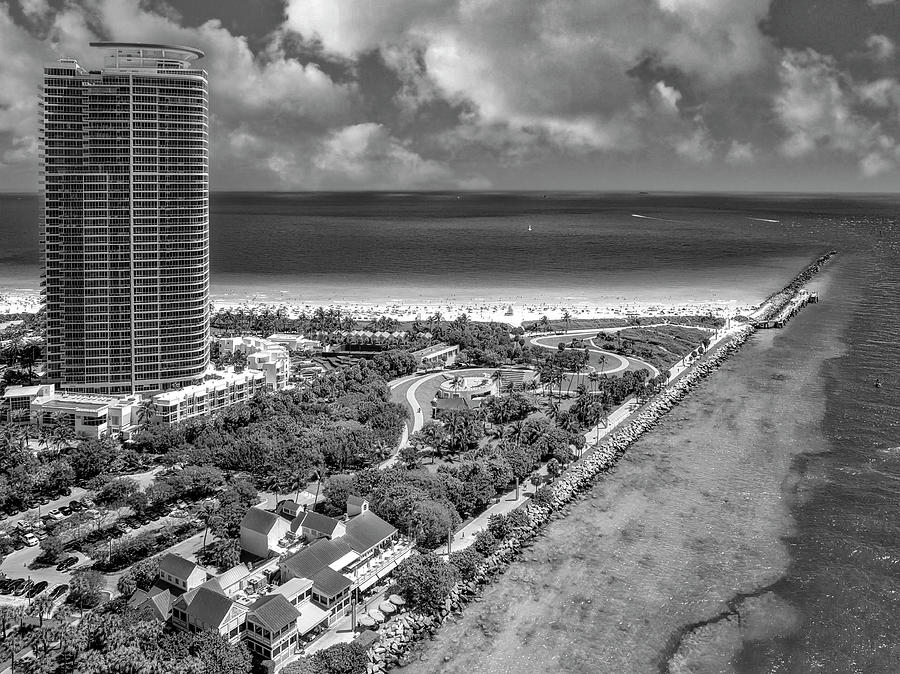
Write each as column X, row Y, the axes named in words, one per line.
column 409, row 457
column 85, row 588
column 430, row 439
column 220, row 657
column 553, row 468
column 566, row 316
column 343, row 658
column 467, row 562
column 424, row 581
column 116, row 492
column 52, row 547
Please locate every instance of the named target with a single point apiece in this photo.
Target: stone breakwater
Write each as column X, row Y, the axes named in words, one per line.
column 399, row 635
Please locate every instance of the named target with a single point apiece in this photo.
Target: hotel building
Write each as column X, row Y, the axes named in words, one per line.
column 124, row 220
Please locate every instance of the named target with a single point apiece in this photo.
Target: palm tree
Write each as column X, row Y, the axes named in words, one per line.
column 566, row 316
column 61, row 431
column 594, row 379
column 602, row 360
column 497, row 378
column 145, row 411
column 544, row 323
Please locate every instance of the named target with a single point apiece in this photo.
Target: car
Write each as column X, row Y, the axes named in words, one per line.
column 23, row 587
column 75, row 504
column 65, row 511
column 36, row 589
column 5, row 586
column 44, row 499
column 67, row 563
column 30, row 540
column 58, row 592
column 179, row 513
column 15, row 585
column 47, row 519
column 87, row 503
column 55, row 514
column 40, row 534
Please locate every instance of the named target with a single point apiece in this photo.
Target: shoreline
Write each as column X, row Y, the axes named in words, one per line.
column 578, row 479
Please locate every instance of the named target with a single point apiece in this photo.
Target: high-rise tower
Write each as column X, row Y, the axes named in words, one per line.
column 125, row 220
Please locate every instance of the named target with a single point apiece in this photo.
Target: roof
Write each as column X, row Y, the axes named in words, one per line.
column 367, row 530
column 434, row 350
column 207, row 604
column 329, row 582
column 233, row 575
column 259, row 520
column 310, row 616
column 293, row 587
column 189, row 51
column 451, row 403
column 177, row 566
column 356, row 500
column 317, row 556
column 317, row 522
column 274, row 612
column 21, row 391
column 158, row 600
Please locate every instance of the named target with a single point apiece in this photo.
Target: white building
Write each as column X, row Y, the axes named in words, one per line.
column 15, row 405
column 295, row 342
column 91, row 415
column 124, row 220
column 263, row 355
column 225, row 389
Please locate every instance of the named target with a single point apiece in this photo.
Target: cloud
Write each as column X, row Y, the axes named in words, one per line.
column 553, row 75
column 823, row 110
column 740, row 153
column 697, row 147
column 881, row 47
column 367, row 156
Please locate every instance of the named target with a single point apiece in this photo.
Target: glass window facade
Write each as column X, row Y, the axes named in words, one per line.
column 125, row 220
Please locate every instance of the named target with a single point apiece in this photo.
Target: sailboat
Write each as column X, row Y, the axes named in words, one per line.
column 529, row 228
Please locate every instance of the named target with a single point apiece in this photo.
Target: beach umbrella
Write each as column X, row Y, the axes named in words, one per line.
column 376, row 615
column 387, row 607
column 366, row 621
column 396, row 600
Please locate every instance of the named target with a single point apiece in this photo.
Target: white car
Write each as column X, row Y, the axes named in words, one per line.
column 55, row 514
column 30, row 540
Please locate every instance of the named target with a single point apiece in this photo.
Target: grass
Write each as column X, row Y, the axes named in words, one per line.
column 663, row 346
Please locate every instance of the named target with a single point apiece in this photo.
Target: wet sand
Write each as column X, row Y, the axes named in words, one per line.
column 664, row 565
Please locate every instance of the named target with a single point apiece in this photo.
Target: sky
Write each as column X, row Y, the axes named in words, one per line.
column 700, row 95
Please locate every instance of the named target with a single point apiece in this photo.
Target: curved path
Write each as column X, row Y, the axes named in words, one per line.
column 623, row 362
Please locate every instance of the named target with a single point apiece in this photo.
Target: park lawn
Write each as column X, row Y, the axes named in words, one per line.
column 662, row 346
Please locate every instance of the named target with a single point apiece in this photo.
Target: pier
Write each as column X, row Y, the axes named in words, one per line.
column 788, row 311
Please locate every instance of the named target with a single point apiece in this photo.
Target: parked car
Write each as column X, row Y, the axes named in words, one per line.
column 75, row 505
column 43, row 499
column 67, row 563
column 5, row 586
column 65, row 511
column 30, row 540
column 56, row 514
column 36, row 589
column 87, row 502
column 23, row 587
column 58, row 592
column 179, row 513
column 16, row 585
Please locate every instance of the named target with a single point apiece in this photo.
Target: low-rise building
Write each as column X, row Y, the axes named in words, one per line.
column 271, row 628
column 295, row 342
column 222, row 389
column 15, row 405
column 207, row 607
column 261, row 531
column 313, row 526
column 274, row 363
column 437, row 356
column 90, row 415
column 157, row 601
column 181, row 574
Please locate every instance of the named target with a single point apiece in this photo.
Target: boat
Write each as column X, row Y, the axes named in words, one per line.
column 877, row 382
column 529, row 228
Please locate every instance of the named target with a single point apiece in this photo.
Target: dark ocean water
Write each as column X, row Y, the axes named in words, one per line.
column 844, row 576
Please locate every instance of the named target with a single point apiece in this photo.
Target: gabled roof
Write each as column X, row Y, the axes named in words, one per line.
column 356, row 500
column 310, row 560
column 259, row 520
column 233, row 575
column 177, row 566
column 274, row 612
column 317, row 522
column 329, row 582
column 367, row 530
column 206, row 604
column 157, row 600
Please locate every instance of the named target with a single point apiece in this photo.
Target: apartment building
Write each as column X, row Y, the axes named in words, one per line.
column 124, row 220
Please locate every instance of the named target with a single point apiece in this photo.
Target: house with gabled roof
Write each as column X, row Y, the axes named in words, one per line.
column 313, row 526
column 157, row 601
column 207, row 607
column 261, row 530
column 271, row 628
column 181, row 574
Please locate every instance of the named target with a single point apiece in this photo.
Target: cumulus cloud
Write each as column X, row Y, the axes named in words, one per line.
column 823, row 109
column 740, row 153
column 553, row 74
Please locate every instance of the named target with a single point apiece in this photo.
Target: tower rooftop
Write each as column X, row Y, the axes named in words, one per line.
column 147, row 50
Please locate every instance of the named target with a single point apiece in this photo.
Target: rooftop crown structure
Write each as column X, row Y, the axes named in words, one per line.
column 125, row 220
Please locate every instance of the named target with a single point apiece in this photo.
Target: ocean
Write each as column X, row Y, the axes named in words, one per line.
column 840, row 490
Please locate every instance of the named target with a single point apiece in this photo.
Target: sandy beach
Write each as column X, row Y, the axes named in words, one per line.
column 666, row 564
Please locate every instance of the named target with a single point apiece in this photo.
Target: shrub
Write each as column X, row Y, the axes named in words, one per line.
column 466, row 562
